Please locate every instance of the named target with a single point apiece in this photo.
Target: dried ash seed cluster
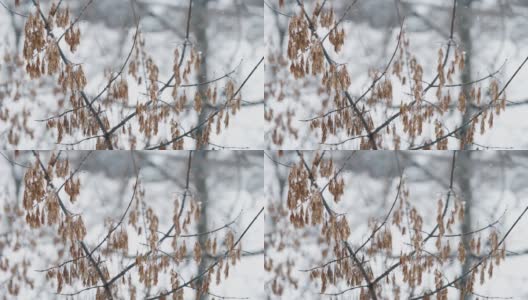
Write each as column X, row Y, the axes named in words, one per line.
column 49, row 184
column 310, row 215
column 373, row 119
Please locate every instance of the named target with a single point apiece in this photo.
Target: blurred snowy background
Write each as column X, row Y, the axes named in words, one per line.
column 228, row 186
column 227, row 33
column 490, row 32
column 493, row 188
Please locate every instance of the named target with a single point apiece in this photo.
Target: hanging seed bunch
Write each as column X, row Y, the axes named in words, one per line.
column 308, row 219
column 114, row 116
column 155, row 264
column 52, row 190
column 308, row 207
column 280, row 116
column 45, row 207
column 15, row 265
column 283, row 245
column 305, row 37
column 44, row 56
column 316, row 38
column 15, row 119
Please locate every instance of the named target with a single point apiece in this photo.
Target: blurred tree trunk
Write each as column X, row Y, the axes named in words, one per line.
column 200, row 18
column 464, row 165
column 464, row 21
column 200, row 159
